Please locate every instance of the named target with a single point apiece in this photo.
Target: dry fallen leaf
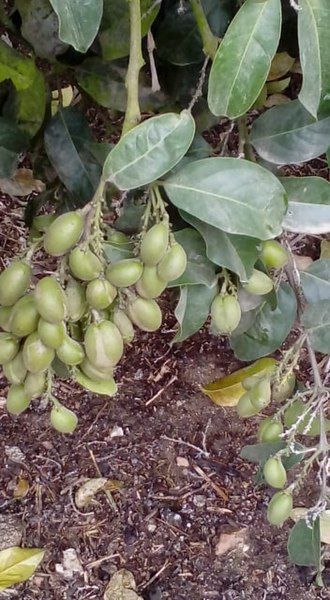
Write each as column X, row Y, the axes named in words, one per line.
column 300, row 512
column 231, row 541
column 21, row 183
column 122, row 586
column 21, row 488
column 85, row 494
column 18, row 564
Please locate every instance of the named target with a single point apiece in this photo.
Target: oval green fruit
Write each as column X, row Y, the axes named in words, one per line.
column 274, row 472
column 270, row 430
column 14, row 281
column 106, row 388
column 249, row 382
column 145, row 314
column 260, row 394
column 8, row 347
column 76, row 300
column 124, row 325
column 173, row 264
column 36, row 356
column 273, row 255
column 225, row 313
column 63, row 233
column 63, row 419
column 279, row 508
column 118, row 238
column 95, row 374
column 100, row 293
column 70, row 352
column 50, row 300
column 283, row 389
column 258, row 284
column 245, row 407
column 124, row 272
column 17, row 400
column 15, row 370
column 154, row 244
column 35, row 384
column 51, row 334
column 24, row 316
column 84, row 264
column 42, row 222
column 150, row 285
column 5, row 317
column 103, row 344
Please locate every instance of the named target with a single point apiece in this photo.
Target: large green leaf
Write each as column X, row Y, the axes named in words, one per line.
column 270, row 328
column 12, row 142
column 40, row 27
column 149, row 150
column 314, row 50
column 309, row 204
column 236, row 196
column 304, row 544
column 243, row 60
column 19, row 69
column 67, row 142
column 289, row 134
column 18, row 564
column 193, row 309
column 315, row 281
column 316, row 321
column 234, row 252
column 79, row 21
column 199, row 270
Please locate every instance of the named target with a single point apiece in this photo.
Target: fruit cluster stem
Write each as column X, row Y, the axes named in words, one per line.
column 136, row 62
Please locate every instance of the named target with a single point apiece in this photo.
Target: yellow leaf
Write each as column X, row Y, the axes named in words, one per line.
column 228, row 390
column 66, row 98
column 275, row 87
column 91, row 487
column 281, row 65
column 18, row 564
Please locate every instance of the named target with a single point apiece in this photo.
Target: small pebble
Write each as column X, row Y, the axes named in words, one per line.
column 199, row 501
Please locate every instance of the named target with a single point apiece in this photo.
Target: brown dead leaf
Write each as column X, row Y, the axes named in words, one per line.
column 276, row 100
column 231, row 541
column 122, row 586
column 85, row 494
column 21, row 183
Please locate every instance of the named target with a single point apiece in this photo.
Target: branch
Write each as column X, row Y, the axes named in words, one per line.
column 210, row 41
column 136, row 62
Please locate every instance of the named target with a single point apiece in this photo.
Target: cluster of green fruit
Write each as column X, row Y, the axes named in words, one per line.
column 84, row 320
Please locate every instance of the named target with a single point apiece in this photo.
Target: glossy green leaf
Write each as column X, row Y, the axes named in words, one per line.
column 304, row 544
column 315, row 281
column 12, row 142
column 259, row 453
column 104, row 388
column 40, row 27
column 316, row 320
column 200, row 270
column 193, row 309
column 270, row 329
column 19, row 69
column 116, row 252
column 18, row 564
column 289, row 134
column 243, row 60
column 314, row 51
column 309, row 204
column 234, row 252
column 236, row 196
column 149, row 150
column 79, row 21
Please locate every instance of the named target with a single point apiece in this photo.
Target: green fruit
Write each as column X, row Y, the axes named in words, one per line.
column 118, row 238
column 260, row 394
column 145, row 314
column 35, row 384
column 14, row 281
column 17, row 400
column 154, row 244
column 95, row 374
column 84, row 264
column 15, row 370
column 282, row 390
column 273, row 255
column 274, row 472
column 50, row 300
column 124, row 325
column 149, row 285
column 225, row 313
column 103, row 344
column 8, row 348
column 245, row 407
column 259, row 283
column 279, row 508
column 106, row 388
column 5, row 317
column 270, row 430
column 76, row 300
column 36, row 356
column 173, row 264
column 63, row 233
column 100, row 294
column 24, row 316
column 70, row 352
column 249, row 382
column 42, row 222
column 124, row 272
column 51, row 334
column 63, row 419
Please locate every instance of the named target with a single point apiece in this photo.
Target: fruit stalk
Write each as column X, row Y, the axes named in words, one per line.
column 136, row 62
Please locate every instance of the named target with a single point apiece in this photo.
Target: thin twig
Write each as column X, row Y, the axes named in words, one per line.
column 183, row 443
column 199, row 89
column 172, row 380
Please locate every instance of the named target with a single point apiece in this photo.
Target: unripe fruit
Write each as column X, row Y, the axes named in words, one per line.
column 173, row 264
column 15, row 370
column 273, row 255
column 50, row 300
column 270, row 430
column 103, row 344
column 24, row 316
column 14, row 281
column 5, row 317
column 63, row 233
column 245, row 407
column 84, row 264
column 106, row 388
column 145, row 314
column 154, row 244
column 274, row 472
column 51, row 334
column 279, row 508
column 17, row 400
column 118, row 238
column 95, row 374
column 124, row 325
column 8, row 348
column 260, row 394
column 249, row 382
column 225, row 313
column 124, row 272
column 70, row 352
column 149, row 285
column 36, row 356
column 42, row 222
column 76, row 300
column 259, row 283
column 282, row 390
column 34, row 384
column 100, row 294
column 63, row 419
